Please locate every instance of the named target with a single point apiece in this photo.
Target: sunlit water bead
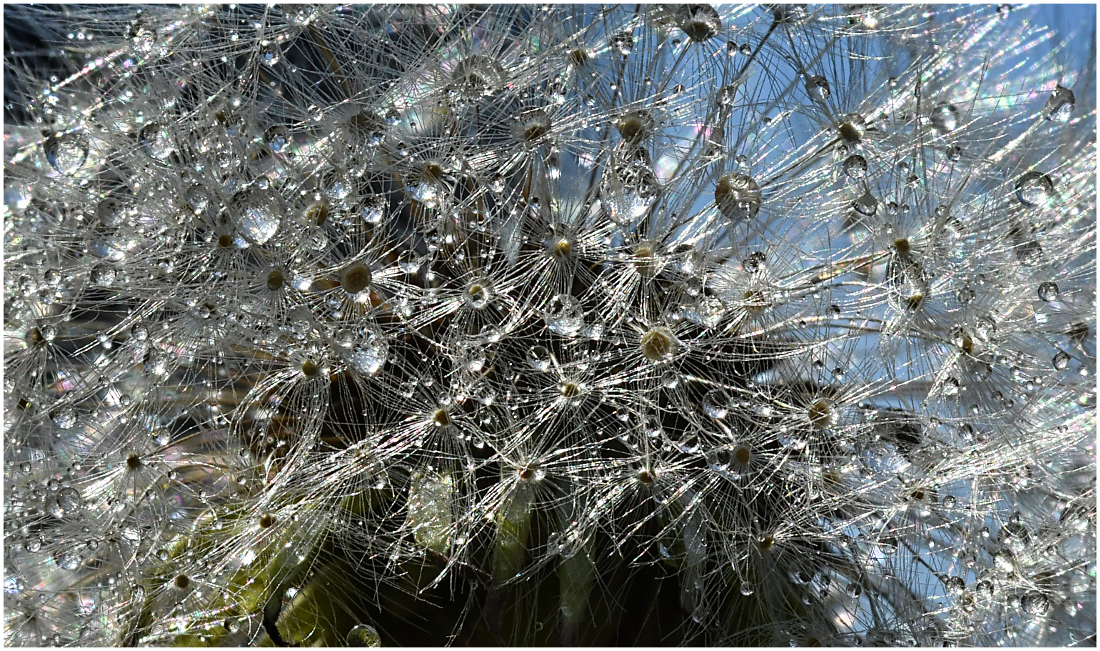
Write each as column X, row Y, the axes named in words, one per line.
column 1059, row 106
column 1061, row 360
column 368, row 353
column 737, row 196
column 156, row 141
column 68, row 499
column 64, row 418
column 716, row 403
column 257, row 216
column 817, row 87
column 538, row 358
column 1034, row 189
column 564, row 315
column 1048, row 292
column 1035, row 604
column 855, row 167
column 629, row 193
column 363, row 635
column 270, row 53
column 66, row 152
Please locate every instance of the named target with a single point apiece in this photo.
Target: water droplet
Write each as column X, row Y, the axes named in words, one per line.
column 276, row 138
column 629, row 192
column 716, row 403
column 538, row 357
column 156, row 140
column 102, row 275
column 623, row 42
column 564, row 315
column 1048, row 291
column 866, row 204
column 65, row 418
column 1059, row 106
column 478, row 293
column 855, row 166
column 853, row 590
column 1061, row 360
column 737, row 196
column 374, row 209
column 66, row 152
column 257, row 219
column 369, row 355
column 746, row 588
column 69, row 499
column 817, row 87
column 269, row 53
column 954, row 585
column 1035, row 604
column 746, row 49
column 954, row 153
column 1034, row 189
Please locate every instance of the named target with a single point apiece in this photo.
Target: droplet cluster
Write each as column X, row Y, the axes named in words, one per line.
column 778, row 321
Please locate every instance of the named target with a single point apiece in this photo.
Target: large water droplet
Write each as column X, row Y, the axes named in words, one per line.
column 257, row 218
column 538, row 357
column 629, row 193
column 817, row 87
column 269, row 53
column 1059, row 106
column 1061, row 360
column 363, row 635
column 699, row 22
column 1035, row 604
column 564, row 315
column 65, row 418
column 69, row 499
column 716, row 403
column 855, row 166
column 1048, row 291
column 369, row 355
column 156, row 140
column 66, row 152
column 1034, row 189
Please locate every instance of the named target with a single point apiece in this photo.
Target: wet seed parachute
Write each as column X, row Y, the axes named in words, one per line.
column 548, row 325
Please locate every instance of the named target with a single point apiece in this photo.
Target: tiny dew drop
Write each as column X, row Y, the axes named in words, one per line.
column 817, row 87
column 1048, row 291
column 363, row 635
column 1059, row 106
column 1061, row 360
column 156, row 141
column 746, row 588
column 538, row 357
column 855, row 166
column 1034, row 189
column 66, row 152
column 269, row 53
